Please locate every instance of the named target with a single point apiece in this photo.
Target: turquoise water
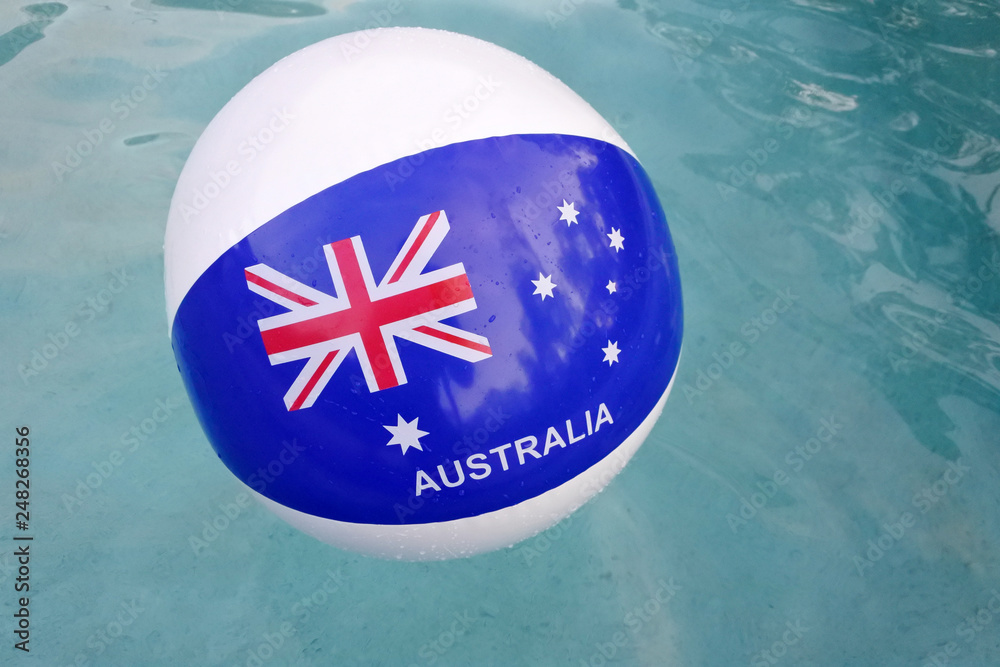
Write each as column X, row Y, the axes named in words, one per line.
column 822, row 488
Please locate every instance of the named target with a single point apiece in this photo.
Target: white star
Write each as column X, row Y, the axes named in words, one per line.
column 616, row 239
column 611, row 352
column 569, row 213
column 611, row 287
column 544, row 286
column 405, row 434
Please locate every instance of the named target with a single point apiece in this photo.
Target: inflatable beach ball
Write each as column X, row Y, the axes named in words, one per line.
column 422, row 296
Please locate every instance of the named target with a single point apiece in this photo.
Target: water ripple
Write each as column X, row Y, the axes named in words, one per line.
column 17, row 40
column 268, row 8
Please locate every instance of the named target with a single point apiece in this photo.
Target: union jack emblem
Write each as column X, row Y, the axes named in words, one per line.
column 366, row 317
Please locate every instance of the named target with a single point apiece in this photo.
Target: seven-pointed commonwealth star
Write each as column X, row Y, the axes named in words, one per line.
column 544, row 286
column 569, row 213
column 611, row 353
column 617, row 240
column 405, row 434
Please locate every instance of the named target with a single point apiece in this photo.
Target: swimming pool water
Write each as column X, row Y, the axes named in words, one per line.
column 822, row 488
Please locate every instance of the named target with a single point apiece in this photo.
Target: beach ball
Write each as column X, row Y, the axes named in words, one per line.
column 422, row 296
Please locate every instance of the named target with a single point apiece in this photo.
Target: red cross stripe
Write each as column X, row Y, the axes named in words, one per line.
column 367, row 317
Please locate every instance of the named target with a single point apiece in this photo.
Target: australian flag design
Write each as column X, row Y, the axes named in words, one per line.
column 440, row 337
column 367, row 318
